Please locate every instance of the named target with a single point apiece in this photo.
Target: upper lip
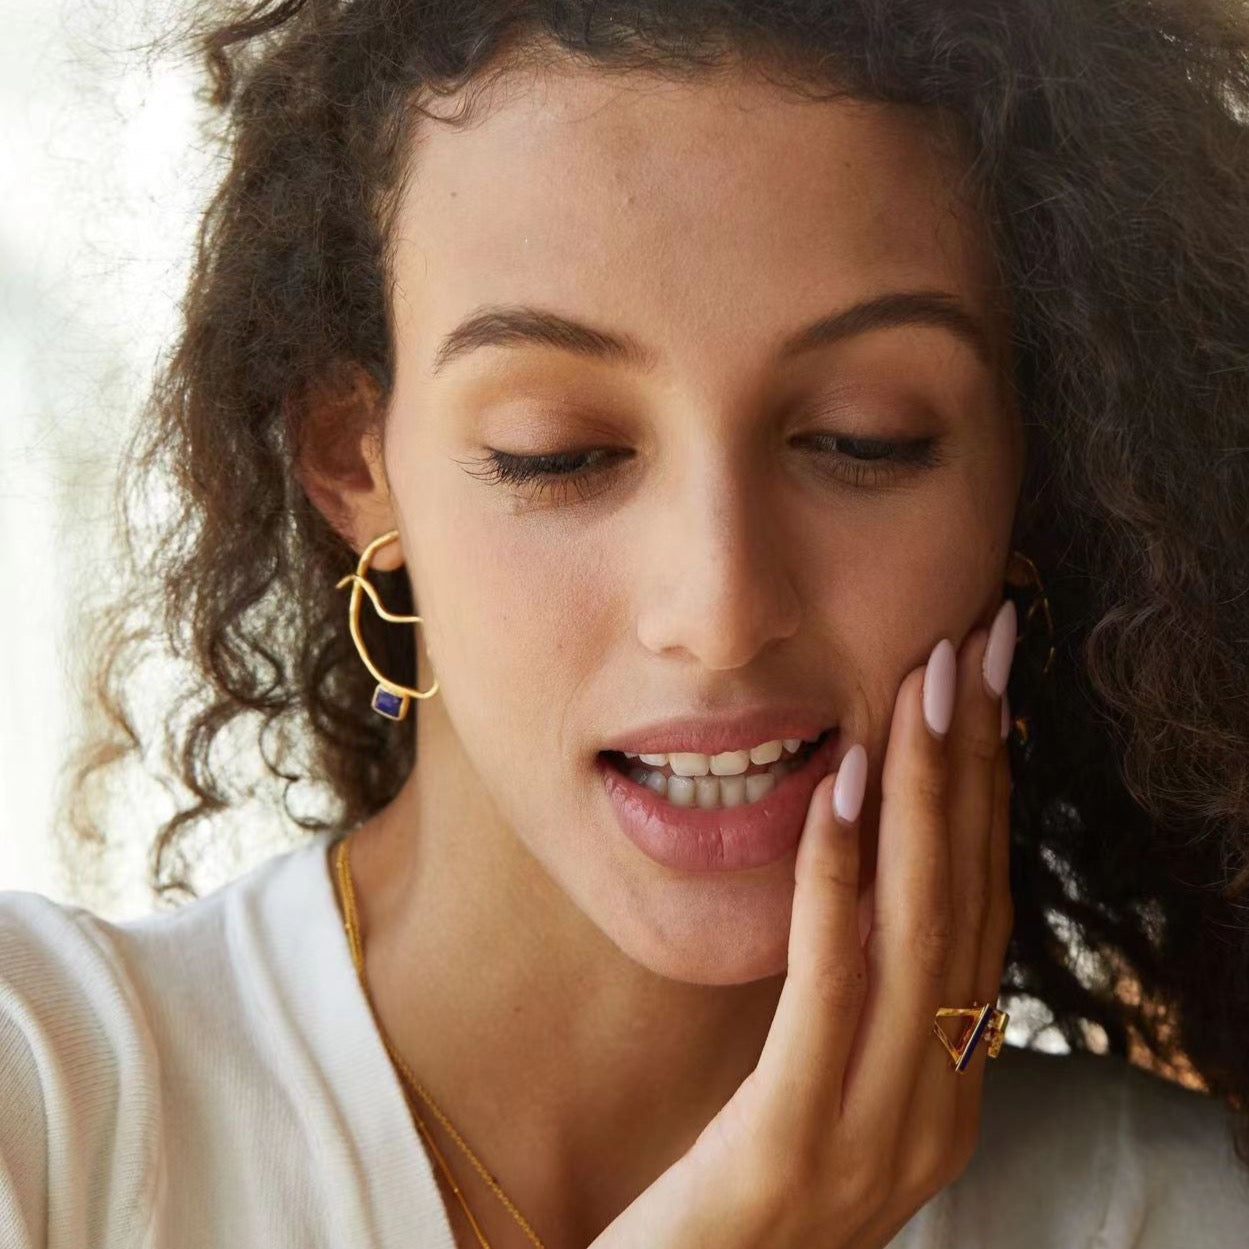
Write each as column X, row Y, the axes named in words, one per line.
column 715, row 734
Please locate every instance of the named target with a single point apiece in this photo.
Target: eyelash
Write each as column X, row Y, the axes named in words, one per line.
column 558, row 471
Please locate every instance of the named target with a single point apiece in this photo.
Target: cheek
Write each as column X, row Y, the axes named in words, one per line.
column 916, row 581
column 524, row 610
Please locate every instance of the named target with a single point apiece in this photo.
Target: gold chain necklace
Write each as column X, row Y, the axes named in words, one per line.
column 351, row 924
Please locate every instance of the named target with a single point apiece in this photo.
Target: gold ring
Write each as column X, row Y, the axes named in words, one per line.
column 985, row 1021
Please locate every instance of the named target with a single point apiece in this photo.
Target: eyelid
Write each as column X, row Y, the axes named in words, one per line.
column 546, row 473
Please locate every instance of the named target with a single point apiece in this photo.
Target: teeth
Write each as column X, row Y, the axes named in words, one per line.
column 709, row 791
column 728, row 763
column 769, row 752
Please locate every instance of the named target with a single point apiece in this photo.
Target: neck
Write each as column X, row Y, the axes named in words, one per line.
column 575, row 1074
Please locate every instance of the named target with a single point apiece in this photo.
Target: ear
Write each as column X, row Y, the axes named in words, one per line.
column 337, row 424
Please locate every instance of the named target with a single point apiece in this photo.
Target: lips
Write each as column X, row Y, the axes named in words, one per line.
column 715, row 732
column 721, row 838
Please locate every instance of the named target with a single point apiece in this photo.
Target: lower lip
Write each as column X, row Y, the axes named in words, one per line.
column 696, row 839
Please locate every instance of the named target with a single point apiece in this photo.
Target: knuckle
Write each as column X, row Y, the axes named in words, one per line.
column 956, row 1160
column 866, row 1188
column 763, row 1198
column 814, row 1191
column 931, row 941
column 764, row 1174
column 840, row 982
column 968, row 1145
column 932, row 925
column 930, row 787
column 784, row 1182
column 975, row 900
column 838, row 874
column 932, row 960
column 982, row 746
column 938, row 1166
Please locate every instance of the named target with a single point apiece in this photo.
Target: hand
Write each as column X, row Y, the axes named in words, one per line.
column 853, row 1117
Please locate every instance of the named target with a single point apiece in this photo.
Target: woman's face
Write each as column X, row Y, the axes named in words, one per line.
column 717, row 554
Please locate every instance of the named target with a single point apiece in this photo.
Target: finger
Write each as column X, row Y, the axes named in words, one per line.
column 974, row 811
column 818, row 1011
column 1000, row 920
column 909, row 942
column 998, row 923
column 946, row 1101
column 974, row 744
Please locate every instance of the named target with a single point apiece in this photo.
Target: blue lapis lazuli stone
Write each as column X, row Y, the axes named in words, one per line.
column 387, row 703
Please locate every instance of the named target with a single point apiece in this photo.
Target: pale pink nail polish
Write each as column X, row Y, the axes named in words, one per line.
column 1000, row 650
column 939, row 678
column 850, row 784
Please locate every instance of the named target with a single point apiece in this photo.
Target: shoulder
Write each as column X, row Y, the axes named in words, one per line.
column 79, row 1082
column 68, row 1008
column 1078, row 1146
column 143, row 1051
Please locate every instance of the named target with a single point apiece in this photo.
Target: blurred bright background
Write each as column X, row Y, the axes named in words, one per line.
column 104, row 175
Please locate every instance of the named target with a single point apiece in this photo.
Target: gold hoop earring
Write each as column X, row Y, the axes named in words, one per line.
column 389, row 699
column 1022, row 573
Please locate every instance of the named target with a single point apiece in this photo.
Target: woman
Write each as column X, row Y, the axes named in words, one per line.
column 733, row 388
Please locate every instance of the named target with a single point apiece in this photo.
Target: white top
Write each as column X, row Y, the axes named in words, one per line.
column 211, row 1078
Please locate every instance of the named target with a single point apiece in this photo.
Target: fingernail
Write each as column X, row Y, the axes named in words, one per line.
column 1000, row 650
column 850, row 784
column 939, row 678
column 1005, row 715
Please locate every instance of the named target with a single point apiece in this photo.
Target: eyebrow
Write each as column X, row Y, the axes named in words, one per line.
column 505, row 325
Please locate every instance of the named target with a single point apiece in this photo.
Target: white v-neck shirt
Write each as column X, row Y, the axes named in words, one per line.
column 211, row 1078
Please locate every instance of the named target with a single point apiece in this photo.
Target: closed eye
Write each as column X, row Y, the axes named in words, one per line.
column 861, row 461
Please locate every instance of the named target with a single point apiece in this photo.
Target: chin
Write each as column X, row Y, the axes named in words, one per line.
column 736, row 938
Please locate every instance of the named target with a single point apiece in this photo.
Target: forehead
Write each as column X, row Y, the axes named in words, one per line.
column 713, row 211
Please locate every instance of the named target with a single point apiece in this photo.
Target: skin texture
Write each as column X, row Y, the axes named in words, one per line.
column 543, row 978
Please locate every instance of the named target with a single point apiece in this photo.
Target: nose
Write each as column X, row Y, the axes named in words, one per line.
column 716, row 571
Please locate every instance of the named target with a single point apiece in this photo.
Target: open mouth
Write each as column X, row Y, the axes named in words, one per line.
column 712, row 791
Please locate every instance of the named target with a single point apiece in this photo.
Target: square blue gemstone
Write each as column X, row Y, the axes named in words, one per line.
column 387, row 703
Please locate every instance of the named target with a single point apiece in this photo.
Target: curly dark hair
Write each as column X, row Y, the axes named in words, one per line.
column 1111, row 163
